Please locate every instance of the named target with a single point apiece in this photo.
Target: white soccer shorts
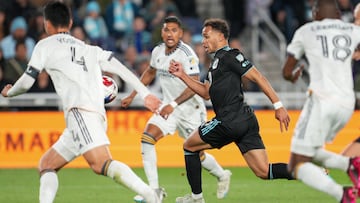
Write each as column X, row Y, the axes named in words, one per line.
column 183, row 121
column 85, row 131
column 319, row 122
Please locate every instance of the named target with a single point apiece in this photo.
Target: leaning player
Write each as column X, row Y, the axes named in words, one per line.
column 183, row 110
column 75, row 69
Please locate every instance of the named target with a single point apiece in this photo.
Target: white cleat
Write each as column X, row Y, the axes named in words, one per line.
column 160, row 195
column 223, row 185
column 189, row 199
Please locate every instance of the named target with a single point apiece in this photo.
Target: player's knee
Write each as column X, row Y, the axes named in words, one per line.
column 43, row 171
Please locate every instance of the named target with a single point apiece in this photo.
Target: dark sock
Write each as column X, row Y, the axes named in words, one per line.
column 193, row 171
column 279, row 171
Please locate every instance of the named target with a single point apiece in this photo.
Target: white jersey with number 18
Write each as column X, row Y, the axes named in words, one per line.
column 329, row 45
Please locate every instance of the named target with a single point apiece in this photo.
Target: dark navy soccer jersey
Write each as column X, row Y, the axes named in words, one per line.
column 225, row 72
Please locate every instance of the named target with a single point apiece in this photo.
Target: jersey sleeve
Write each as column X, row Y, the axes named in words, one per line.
column 38, row 57
column 238, row 62
column 191, row 65
column 153, row 57
column 296, row 46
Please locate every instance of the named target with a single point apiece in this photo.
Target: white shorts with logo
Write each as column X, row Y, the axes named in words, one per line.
column 183, row 120
column 319, row 122
column 85, row 130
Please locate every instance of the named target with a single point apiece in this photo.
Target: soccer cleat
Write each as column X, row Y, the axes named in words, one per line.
column 349, row 195
column 223, row 185
column 354, row 171
column 189, row 199
column 160, row 192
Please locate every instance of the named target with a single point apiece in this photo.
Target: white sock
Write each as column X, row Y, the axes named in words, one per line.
column 211, row 165
column 331, row 160
column 121, row 173
column 149, row 159
column 314, row 176
column 48, row 187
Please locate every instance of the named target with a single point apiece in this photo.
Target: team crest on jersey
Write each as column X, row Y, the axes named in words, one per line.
column 215, row 63
column 192, row 61
column 240, row 57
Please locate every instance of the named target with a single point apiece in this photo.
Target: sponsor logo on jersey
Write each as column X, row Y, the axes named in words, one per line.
column 240, row 57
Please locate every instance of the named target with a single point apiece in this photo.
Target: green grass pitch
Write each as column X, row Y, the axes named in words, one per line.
column 83, row 186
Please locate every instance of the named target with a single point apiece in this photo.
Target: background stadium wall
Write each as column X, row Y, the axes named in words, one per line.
column 24, row 136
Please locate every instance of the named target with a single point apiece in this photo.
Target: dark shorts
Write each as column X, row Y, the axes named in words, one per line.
column 244, row 133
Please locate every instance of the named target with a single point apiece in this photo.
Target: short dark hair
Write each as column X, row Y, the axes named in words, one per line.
column 58, row 13
column 219, row 25
column 173, row 19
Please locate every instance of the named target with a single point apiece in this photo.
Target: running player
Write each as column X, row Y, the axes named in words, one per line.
column 235, row 121
column 182, row 111
column 75, row 69
column 328, row 43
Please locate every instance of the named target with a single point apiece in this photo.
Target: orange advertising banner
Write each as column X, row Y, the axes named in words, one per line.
column 25, row 136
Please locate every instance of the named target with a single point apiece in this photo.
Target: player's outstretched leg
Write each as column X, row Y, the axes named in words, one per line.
column 48, row 186
column 121, row 173
column 209, row 163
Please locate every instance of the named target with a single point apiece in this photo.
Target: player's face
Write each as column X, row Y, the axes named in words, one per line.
column 211, row 39
column 171, row 34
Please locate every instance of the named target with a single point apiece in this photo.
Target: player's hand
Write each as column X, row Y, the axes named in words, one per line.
column 152, row 103
column 5, row 90
column 356, row 55
column 283, row 117
column 166, row 111
column 176, row 68
column 125, row 102
column 297, row 73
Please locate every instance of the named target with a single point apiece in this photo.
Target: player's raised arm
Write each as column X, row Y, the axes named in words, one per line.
column 198, row 87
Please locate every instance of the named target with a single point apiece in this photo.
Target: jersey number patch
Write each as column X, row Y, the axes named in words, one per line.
column 80, row 61
column 341, row 44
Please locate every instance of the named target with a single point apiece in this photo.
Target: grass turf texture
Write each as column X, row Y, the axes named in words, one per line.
column 82, row 185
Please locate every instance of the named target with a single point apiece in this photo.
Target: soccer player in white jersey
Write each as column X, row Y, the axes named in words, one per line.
column 76, row 70
column 183, row 110
column 328, row 43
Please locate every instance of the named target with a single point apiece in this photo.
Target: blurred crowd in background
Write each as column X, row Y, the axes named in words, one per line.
column 131, row 28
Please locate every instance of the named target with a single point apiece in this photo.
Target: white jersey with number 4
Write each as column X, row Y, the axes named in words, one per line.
column 329, row 45
column 74, row 69
column 172, row 86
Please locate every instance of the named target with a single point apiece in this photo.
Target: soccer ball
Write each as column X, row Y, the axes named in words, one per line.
column 110, row 89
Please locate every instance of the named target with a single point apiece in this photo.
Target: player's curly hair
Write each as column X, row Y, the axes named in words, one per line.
column 219, row 25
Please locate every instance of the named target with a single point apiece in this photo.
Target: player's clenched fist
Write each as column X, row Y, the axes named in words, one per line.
column 5, row 90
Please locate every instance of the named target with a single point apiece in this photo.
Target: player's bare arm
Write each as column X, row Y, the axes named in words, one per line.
column 184, row 96
column 291, row 73
column 146, row 78
column 202, row 89
column 281, row 113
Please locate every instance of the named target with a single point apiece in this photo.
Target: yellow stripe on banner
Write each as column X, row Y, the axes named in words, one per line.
column 25, row 136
